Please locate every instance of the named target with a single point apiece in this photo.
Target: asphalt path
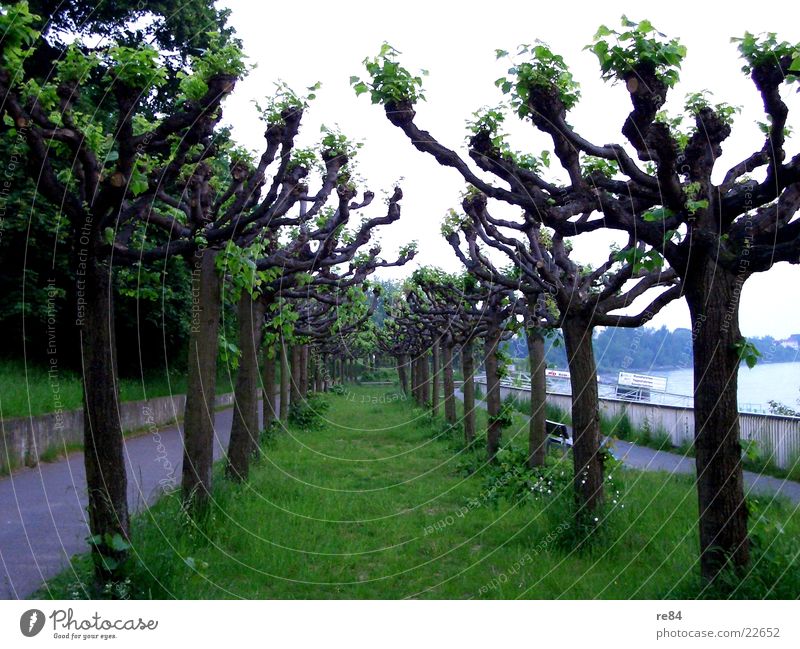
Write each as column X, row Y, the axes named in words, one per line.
column 648, row 459
column 43, row 519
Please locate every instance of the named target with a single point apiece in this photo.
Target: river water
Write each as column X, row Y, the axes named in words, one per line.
column 757, row 386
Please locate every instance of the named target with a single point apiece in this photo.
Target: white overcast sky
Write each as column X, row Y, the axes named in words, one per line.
column 302, row 43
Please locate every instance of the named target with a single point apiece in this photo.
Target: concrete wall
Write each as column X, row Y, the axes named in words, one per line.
column 25, row 439
column 776, row 435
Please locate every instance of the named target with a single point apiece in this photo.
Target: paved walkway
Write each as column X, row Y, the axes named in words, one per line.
column 43, row 509
column 648, row 459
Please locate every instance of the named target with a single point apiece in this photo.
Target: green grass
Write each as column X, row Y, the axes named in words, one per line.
column 28, row 391
column 372, row 505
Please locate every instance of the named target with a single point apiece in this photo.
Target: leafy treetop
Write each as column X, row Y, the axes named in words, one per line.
column 543, row 70
column 623, row 54
column 389, row 81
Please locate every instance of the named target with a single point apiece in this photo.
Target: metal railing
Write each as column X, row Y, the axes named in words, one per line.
column 778, row 436
column 522, row 381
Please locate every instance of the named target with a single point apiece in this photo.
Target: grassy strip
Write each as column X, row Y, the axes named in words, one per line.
column 376, row 504
column 28, row 391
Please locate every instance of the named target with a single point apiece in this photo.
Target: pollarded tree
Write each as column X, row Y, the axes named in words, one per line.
column 228, row 201
column 34, row 250
column 727, row 231
column 539, row 312
column 304, row 268
column 584, row 298
column 450, row 309
column 714, row 235
column 104, row 188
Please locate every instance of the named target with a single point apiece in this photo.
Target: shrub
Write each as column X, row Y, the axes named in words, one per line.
column 307, row 414
column 773, row 571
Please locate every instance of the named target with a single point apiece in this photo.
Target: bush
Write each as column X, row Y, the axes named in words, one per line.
column 307, row 414
column 510, row 478
column 774, row 570
column 269, row 435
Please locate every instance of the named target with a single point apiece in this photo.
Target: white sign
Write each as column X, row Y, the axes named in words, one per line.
column 655, row 383
column 556, row 374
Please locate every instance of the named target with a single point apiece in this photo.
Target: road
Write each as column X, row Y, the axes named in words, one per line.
column 43, row 509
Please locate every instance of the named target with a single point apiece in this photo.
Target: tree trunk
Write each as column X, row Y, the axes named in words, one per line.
column 468, row 368
column 425, row 380
column 435, row 380
column 244, row 428
column 318, row 367
column 415, row 379
column 304, row 371
column 712, row 294
column 198, row 424
column 537, row 435
column 402, row 375
column 294, row 381
column 103, row 456
column 286, row 379
column 586, row 458
column 494, row 430
column 449, row 384
column 268, row 411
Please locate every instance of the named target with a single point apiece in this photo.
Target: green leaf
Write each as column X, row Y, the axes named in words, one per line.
column 747, row 352
column 118, row 544
column 658, row 214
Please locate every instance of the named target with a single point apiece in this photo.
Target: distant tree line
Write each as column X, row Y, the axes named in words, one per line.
column 646, row 348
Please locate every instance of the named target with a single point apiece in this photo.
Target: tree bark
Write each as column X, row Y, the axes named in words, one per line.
column 244, row 427
column 294, row 382
column 318, row 367
column 285, row 380
column 304, row 371
column 712, row 294
column 468, row 368
column 198, row 423
column 435, row 380
column 268, row 411
column 537, row 434
column 103, row 457
column 402, row 375
column 414, row 379
column 425, row 380
column 449, row 384
column 494, row 430
column 588, row 479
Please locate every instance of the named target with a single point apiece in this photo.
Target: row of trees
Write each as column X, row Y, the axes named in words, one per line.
column 171, row 185
column 688, row 235
column 126, row 148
